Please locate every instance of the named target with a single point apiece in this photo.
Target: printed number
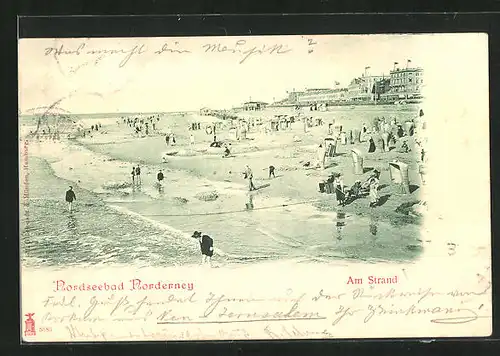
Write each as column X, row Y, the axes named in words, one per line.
column 45, row 329
column 452, row 248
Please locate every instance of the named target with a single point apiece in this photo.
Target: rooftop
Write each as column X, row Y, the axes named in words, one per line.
column 412, row 69
column 255, row 102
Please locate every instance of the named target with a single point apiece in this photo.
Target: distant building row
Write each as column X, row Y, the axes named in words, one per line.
column 400, row 84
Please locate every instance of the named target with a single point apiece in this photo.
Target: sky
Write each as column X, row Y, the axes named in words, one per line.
column 167, row 81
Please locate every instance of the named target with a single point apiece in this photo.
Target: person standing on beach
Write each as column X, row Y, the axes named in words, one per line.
column 167, row 139
column 138, row 175
column 321, row 156
column 338, row 184
column 70, row 197
column 249, row 175
column 271, row 172
column 374, row 183
column 206, row 246
column 133, row 176
column 160, row 177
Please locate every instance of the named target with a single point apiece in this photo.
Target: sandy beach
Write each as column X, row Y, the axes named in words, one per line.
column 290, row 217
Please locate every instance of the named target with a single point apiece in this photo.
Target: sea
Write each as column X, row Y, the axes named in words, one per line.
column 111, row 229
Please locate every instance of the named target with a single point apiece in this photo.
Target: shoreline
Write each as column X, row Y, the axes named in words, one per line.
column 276, row 218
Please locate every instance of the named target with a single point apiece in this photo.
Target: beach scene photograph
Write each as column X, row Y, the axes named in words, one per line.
column 246, row 161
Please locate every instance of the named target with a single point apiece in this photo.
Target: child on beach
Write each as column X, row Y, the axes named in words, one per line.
column 227, row 152
column 191, row 139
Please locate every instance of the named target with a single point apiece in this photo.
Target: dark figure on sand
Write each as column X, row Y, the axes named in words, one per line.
column 271, row 172
column 371, row 147
column 160, row 177
column 206, row 246
column 138, row 175
column 338, row 183
column 70, row 197
column 133, row 175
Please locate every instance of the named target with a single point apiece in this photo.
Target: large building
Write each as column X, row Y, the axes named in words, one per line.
column 399, row 84
column 254, row 105
column 322, row 96
column 406, row 83
column 368, row 88
column 317, row 96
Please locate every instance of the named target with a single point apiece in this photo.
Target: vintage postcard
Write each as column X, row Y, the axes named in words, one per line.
column 254, row 188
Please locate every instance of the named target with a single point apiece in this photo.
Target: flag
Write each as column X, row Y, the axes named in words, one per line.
column 396, row 63
column 367, row 67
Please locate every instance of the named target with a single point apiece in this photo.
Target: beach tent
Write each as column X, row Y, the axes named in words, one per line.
column 399, row 176
column 233, row 132
column 331, row 146
column 385, row 141
column 357, row 135
column 243, row 130
column 409, row 128
column 283, row 123
column 343, row 138
column 357, row 161
column 274, row 124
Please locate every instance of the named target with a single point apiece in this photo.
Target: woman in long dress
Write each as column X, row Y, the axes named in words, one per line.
column 338, row 185
column 321, row 156
column 374, row 198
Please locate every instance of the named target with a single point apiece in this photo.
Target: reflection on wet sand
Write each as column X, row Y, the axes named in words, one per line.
column 373, row 225
column 249, row 204
column 340, row 224
column 72, row 223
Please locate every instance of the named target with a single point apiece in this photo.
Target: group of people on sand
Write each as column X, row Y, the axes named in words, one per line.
column 391, row 130
column 142, row 126
column 136, row 176
column 93, row 128
column 170, row 138
column 346, row 195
